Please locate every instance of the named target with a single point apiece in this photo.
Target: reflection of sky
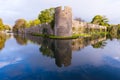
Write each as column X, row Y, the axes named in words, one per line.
column 13, row 52
column 89, row 55
column 4, row 62
column 25, row 62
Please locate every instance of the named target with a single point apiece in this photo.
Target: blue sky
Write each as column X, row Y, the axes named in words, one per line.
column 11, row 10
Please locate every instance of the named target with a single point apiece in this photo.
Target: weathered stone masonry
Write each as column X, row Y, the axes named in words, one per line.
column 77, row 27
column 39, row 29
column 63, row 21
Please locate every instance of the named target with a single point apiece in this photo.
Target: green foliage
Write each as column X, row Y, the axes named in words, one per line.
column 99, row 45
column 74, row 36
column 46, row 51
column 4, row 27
column 3, row 38
column 100, row 20
column 1, row 24
column 118, row 28
column 27, row 25
column 114, row 30
column 34, row 22
column 47, row 15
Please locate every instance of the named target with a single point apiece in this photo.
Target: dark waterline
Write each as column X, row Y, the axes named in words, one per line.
column 36, row 58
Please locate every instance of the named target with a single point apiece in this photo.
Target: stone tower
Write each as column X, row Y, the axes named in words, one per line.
column 63, row 21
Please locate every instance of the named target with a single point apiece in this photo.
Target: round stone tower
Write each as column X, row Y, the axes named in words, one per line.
column 63, row 21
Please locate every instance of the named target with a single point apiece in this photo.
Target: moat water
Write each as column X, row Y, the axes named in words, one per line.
column 34, row 58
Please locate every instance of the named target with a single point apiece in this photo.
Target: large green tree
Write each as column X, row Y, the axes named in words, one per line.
column 100, row 20
column 47, row 15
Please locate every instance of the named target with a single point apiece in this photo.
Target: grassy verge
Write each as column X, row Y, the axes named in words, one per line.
column 74, row 36
column 98, row 33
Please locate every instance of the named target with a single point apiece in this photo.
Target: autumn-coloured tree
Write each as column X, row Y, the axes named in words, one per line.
column 7, row 27
column 4, row 27
column 19, row 24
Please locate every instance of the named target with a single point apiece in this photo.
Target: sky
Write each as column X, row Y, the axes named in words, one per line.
column 11, row 10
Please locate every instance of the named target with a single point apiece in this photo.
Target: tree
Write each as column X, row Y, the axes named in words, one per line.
column 34, row 22
column 47, row 15
column 99, row 45
column 19, row 24
column 100, row 20
column 7, row 27
column 4, row 27
column 118, row 28
column 1, row 24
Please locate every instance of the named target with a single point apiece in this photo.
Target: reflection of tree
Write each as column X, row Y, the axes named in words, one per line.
column 46, row 48
column 2, row 42
column 3, row 38
column 58, row 49
column 20, row 40
column 99, row 45
column 46, row 51
column 80, row 43
column 61, row 50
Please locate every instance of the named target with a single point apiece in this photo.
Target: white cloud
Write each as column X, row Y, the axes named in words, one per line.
column 6, row 63
column 29, row 9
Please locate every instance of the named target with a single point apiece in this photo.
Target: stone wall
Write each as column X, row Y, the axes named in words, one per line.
column 39, row 29
column 77, row 26
column 63, row 21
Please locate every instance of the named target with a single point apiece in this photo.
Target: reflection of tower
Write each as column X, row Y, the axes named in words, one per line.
column 63, row 52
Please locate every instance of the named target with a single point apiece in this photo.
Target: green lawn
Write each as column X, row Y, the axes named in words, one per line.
column 74, row 36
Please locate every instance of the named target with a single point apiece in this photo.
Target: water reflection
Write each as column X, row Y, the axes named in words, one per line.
column 20, row 39
column 61, row 50
column 3, row 38
column 95, row 41
column 39, row 58
column 58, row 49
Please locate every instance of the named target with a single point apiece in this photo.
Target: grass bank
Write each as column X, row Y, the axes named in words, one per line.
column 74, row 36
